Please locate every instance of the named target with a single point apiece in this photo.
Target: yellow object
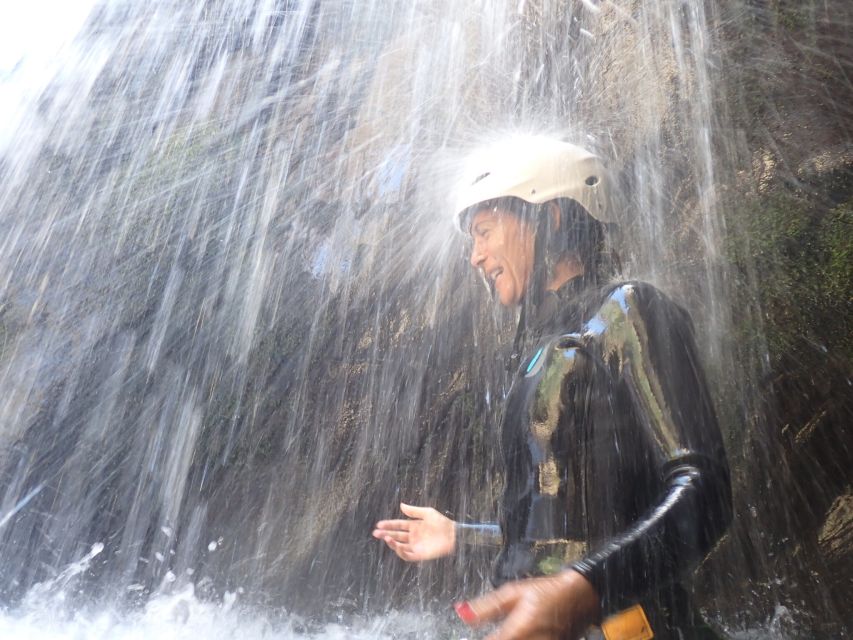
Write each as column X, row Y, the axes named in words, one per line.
column 630, row 624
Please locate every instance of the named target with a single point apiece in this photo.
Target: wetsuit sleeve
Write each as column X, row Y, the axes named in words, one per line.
column 481, row 534
column 649, row 348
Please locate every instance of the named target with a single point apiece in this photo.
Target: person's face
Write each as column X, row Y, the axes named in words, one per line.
column 503, row 250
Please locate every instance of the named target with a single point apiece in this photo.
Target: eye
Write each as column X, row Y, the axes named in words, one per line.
column 481, row 232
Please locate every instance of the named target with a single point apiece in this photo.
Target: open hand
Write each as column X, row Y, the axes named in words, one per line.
column 427, row 535
column 558, row 607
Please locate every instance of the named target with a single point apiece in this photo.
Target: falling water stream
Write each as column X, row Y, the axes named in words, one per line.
column 236, row 326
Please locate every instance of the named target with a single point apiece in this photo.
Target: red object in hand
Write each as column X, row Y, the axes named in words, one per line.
column 465, row 612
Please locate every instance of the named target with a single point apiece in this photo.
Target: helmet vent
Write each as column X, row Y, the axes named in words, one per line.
column 592, row 181
column 480, row 177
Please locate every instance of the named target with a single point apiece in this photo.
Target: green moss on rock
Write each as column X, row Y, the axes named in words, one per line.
column 797, row 252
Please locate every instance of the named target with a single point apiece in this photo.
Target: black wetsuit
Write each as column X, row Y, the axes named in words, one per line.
column 615, row 464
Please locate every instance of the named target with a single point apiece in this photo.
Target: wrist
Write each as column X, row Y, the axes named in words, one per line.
column 477, row 534
column 581, row 596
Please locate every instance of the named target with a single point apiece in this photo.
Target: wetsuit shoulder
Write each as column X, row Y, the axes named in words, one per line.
column 646, row 342
column 636, row 301
column 628, row 317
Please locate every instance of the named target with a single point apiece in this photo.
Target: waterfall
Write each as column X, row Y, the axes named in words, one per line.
column 237, row 327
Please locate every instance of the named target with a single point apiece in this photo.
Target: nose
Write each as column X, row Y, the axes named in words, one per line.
column 477, row 255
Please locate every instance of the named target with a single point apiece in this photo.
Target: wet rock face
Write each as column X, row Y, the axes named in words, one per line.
column 788, row 212
column 836, row 535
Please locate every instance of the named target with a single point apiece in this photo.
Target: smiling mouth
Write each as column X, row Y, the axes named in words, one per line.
column 493, row 276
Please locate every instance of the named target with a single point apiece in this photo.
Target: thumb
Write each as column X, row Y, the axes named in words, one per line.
column 492, row 606
column 418, row 513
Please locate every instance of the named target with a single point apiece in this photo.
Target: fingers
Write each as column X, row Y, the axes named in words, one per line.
column 522, row 635
column 394, row 525
column 397, row 536
column 519, row 624
column 403, row 550
column 401, row 535
column 419, row 513
column 537, row 608
column 492, row 606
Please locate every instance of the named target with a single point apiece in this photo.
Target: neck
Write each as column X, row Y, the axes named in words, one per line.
column 564, row 271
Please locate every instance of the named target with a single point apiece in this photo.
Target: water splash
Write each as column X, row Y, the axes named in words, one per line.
column 175, row 610
column 231, row 312
column 182, row 616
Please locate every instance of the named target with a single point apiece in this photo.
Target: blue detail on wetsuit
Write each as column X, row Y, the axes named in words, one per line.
column 534, row 361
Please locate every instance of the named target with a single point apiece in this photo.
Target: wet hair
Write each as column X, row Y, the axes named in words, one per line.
column 578, row 236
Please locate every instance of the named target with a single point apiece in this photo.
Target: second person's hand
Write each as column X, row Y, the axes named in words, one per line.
column 555, row 607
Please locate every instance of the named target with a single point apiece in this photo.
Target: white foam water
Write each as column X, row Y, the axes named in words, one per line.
column 177, row 612
column 184, row 616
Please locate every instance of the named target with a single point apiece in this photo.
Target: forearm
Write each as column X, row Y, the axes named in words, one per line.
column 679, row 530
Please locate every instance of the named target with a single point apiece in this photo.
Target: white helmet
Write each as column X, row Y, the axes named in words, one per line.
column 535, row 169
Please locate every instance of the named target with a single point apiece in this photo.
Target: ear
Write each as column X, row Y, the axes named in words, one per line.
column 554, row 212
